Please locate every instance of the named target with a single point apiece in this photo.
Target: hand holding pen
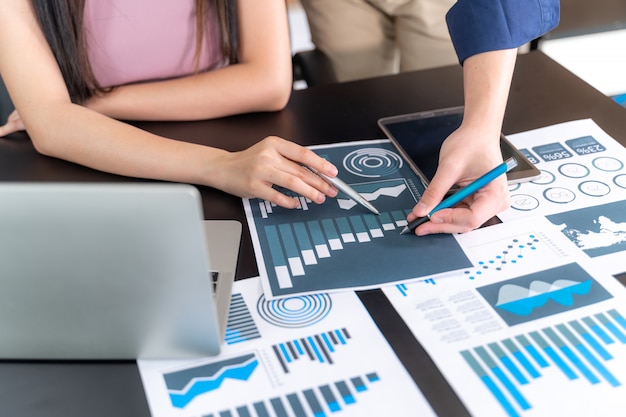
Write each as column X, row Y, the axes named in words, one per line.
column 347, row 190
column 463, row 193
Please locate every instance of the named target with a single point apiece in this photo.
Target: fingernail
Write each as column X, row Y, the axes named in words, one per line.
column 436, row 220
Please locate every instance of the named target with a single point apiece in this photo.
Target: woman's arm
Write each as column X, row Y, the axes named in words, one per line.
column 261, row 81
column 72, row 132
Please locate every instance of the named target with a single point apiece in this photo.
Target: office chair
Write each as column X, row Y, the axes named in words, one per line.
column 314, row 67
column 6, row 106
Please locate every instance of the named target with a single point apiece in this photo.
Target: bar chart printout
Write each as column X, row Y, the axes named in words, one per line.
column 309, row 355
column 340, row 245
column 542, row 336
column 581, row 352
column 582, row 187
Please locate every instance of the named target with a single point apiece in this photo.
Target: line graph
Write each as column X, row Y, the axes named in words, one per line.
column 185, row 385
column 394, row 189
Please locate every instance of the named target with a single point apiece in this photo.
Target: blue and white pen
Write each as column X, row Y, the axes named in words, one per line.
column 463, row 193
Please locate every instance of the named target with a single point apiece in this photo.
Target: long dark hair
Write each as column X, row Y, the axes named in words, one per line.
column 62, row 24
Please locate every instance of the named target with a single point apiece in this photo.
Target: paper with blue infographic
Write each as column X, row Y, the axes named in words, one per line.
column 535, row 329
column 303, row 356
column 339, row 245
column 582, row 187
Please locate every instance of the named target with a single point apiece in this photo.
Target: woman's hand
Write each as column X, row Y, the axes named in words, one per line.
column 463, row 158
column 13, row 124
column 275, row 161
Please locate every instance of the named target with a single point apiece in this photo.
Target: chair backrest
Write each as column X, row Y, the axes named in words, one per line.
column 314, row 67
column 6, row 107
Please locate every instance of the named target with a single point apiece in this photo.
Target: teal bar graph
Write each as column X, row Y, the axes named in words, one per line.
column 275, row 246
column 373, row 226
column 288, row 240
column 296, row 247
column 591, row 340
column 303, row 236
column 618, row 318
column 346, row 231
column 304, row 250
column 489, row 383
column 521, row 358
column 358, row 225
column 240, row 326
column 296, row 405
column 261, row 410
column 611, row 327
column 243, row 412
column 532, row 351
column 319, row 401
column 508, row 363
column 579, row 350
column 553, row 355
column 598, row 330
column 346, row 393
column 334, row 239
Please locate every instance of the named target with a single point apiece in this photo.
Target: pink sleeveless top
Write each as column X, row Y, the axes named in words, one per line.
column 131, row 41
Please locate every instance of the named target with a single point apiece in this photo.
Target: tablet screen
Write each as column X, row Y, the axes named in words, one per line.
column 419, row 136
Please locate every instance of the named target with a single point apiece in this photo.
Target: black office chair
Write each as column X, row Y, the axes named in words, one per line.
column 313, row 67
column 6, row 106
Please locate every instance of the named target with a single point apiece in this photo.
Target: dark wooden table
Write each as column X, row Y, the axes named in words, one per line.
column 543, row 93
column 580, row 17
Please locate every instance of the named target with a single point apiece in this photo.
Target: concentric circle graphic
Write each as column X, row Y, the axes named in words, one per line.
column 372, row 162
column 293, row 312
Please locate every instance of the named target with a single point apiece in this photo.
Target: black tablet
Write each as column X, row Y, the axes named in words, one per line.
column 418, row 137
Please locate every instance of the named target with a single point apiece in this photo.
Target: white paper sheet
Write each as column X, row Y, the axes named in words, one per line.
column 532, row 331
column 315, row 355
column 582, row 187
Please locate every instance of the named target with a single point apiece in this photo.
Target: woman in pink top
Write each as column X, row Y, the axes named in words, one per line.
column 155, row 60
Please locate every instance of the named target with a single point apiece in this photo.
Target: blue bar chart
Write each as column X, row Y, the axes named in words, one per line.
column 240, row 326
column 319, row 348
column 308, row 249
column 580, row 349
column 320, row 401
column 295, row 247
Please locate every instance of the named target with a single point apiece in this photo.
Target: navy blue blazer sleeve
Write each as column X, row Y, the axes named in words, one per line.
column 478, row 26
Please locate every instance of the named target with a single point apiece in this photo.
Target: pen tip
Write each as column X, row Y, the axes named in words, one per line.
column 405, row 230
column 370, row 206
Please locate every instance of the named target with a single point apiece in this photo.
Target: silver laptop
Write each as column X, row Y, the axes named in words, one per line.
column 112, row 271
